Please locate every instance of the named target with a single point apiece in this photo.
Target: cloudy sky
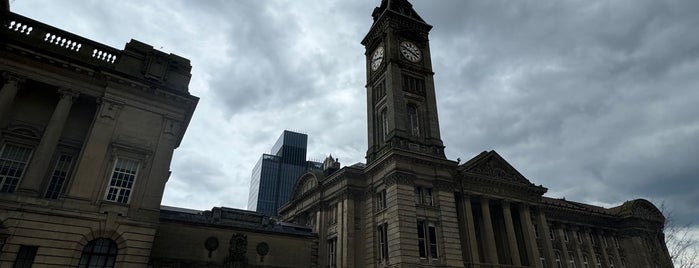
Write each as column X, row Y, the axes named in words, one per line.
column 596, row 100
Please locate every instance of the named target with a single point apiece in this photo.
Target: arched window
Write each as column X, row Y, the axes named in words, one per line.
column 99, row 253
column 586, row 263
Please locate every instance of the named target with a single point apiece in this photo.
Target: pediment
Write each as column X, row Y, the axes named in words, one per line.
column 493, row 166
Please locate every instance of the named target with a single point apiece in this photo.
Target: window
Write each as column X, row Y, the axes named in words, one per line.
column 427, row 240
column 122, row 180
column 58, row 178
column 382, row 235
column 423, row 196
column 13, row 160
column 542, row 259
column 381, row 200
column 599, row 261
column 552, row 236
column 414, row 120
column 332, row 252
column 536, row 230
column 571, row 259
column 592, row 239
column 384, row 123
column 99, row 253
column 565, row 235
column 577, row 234
column 604, row 241
column 413, row 85
column 616, row 242
column 611, row 262
column 586, row 263
column 380, row 90
column 558, row 260
column 622, row 262
column 25, row 257
column 332, row 214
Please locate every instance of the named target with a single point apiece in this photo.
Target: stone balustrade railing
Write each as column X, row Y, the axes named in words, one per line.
column 31, row 33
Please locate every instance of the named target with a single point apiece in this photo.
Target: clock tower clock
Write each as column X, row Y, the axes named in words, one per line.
column 401, row 104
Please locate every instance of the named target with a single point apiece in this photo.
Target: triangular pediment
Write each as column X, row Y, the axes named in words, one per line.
column 493, row 166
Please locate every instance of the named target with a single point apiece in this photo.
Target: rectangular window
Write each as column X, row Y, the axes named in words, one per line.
column 423, row 196
column 332, row 252
column 13, row 161
column 616, row 242
column 565, row 235
column 552, row 236
column 414, row 85
column 558, row 259
column 604, row 241
column 381, row 200
column 599, row 261
column 379, row 90
column 332, row 214
column 121, row 183
column 592, row 239
column 59, row 175
column 427, row 240
column 579, row 236
column 25, row 257
column 571, row 259
column 384, row 124
column 382, row 235
column 414, row 120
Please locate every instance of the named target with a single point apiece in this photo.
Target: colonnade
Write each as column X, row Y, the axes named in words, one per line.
column 42, row 154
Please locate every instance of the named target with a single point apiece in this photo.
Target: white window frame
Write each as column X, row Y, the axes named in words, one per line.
column 381, row 200
column 60, row 166
column 112, row 180
column 424, row 196
column 382, row 237
column 10, row 161
column 430, row 241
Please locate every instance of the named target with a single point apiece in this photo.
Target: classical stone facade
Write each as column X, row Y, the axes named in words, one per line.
column 410, row 206
column 87, row 133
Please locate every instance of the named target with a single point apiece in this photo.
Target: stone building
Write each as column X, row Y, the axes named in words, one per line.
column 87, row 133
column 410, row 206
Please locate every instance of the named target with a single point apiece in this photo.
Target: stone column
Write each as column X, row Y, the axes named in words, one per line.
column 564, row 249
column 41, row 158
column 605, row 257
column 578, row 247
column 529, row 237
column 511, row 238
column 491, row 255
column 470, row 229
column 546, row 240
column 592, row 258
column 7, row 95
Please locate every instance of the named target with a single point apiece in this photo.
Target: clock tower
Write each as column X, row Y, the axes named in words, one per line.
column 410, row 201
column 401, row 104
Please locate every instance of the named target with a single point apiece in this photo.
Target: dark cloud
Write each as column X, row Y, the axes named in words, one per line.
column 596, row 100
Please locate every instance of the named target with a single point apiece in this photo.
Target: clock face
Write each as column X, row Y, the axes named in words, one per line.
column 410, row 51
column 377, row 58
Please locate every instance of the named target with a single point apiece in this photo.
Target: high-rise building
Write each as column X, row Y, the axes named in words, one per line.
column 274, row 176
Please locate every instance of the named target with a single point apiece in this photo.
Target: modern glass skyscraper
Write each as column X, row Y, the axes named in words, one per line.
column 273, row 177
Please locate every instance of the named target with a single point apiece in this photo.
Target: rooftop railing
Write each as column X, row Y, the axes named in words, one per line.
column 34, row 34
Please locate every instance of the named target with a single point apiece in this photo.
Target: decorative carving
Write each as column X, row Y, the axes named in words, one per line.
column 262, row 250
column 172, row 127
column 109, row 109
column 399, row 178
column 211, row 244
column 238, row 248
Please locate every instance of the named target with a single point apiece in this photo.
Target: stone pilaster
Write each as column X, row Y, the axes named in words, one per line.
column 7, row 96
column 470, row 230
column 41, row 159
column 546, row 241
column 564, row 249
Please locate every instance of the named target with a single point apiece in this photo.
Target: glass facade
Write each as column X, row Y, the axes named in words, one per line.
column 274, row 176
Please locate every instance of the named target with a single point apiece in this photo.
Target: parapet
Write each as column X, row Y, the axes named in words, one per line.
column 138, row 61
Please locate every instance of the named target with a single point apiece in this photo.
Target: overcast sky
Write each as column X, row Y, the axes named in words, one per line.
column 596, row 100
